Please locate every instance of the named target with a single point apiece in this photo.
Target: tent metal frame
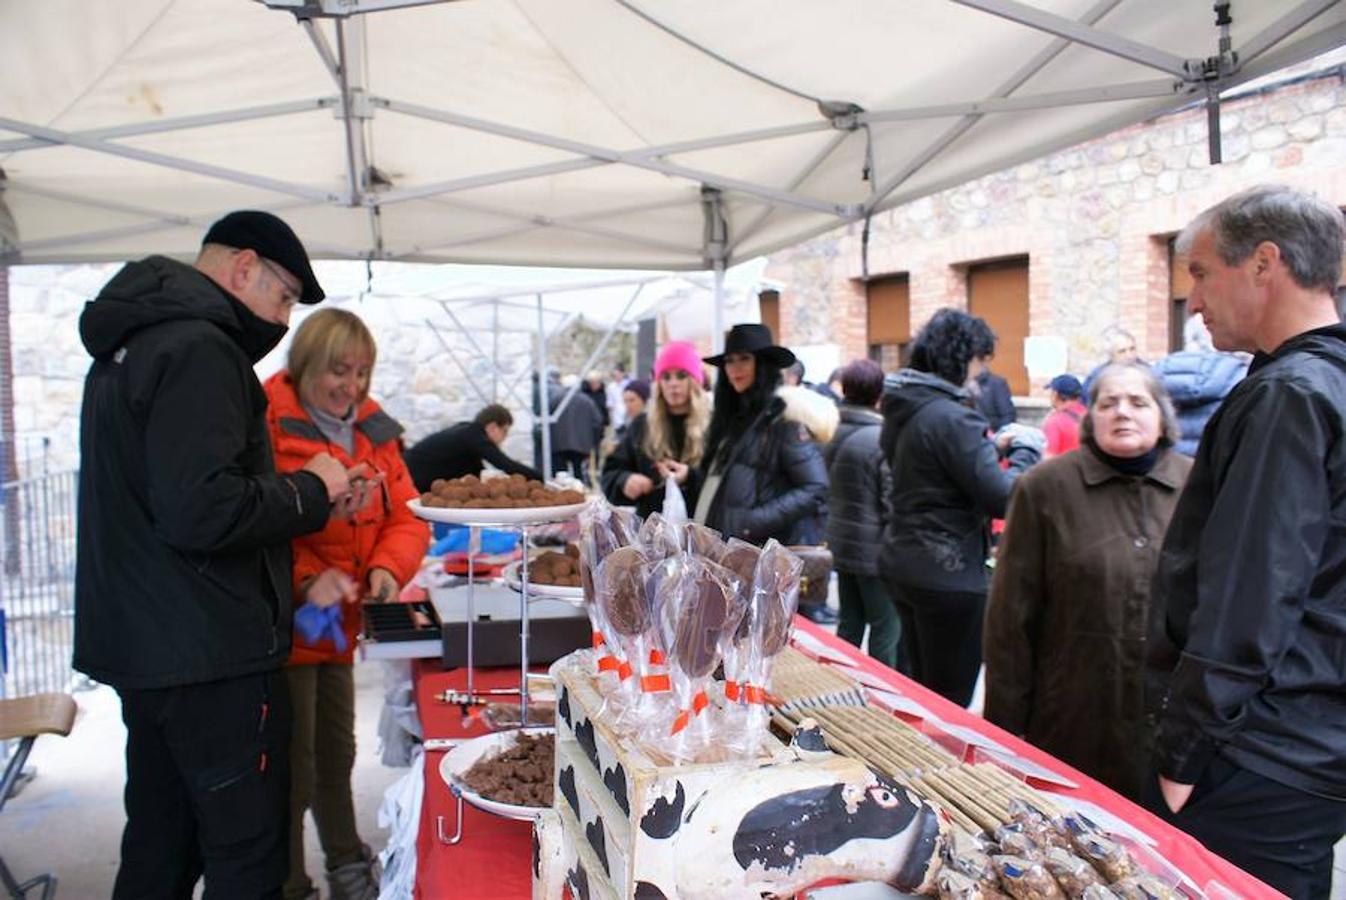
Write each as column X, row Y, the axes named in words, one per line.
column 1186, row 80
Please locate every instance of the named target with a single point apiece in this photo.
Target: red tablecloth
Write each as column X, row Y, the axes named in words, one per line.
column 493, row 859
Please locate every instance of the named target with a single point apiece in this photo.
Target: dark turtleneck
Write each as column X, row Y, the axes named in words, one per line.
column 1135, row 466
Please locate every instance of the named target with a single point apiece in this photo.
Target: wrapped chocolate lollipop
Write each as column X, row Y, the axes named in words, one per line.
column 740, row 558
column 704, row 542
column 711, row 608
column 775, row 596
column 660, row 537
column 596, row 542
column 621, row 586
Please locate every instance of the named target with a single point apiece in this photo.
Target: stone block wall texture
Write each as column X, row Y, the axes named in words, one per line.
column 1093, row 220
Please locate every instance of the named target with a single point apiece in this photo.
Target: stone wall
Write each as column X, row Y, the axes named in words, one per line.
column 1094, row 221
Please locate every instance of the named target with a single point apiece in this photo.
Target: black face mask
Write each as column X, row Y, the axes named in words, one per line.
column 257, row 336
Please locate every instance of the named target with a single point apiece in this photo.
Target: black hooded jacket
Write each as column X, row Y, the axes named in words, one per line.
column 1247, row 646
column 183, row 563
column 947, row 484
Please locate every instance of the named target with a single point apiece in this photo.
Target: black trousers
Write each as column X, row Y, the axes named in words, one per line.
column 1278, row 833
column 207, row 789
column 941, row 638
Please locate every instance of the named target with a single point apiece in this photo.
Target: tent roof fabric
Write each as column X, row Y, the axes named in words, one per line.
column 650, row 134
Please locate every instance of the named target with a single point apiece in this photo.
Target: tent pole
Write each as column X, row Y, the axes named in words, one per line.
column 495, row 351
column 543, row 404
column 717, row 339
column 715, row 239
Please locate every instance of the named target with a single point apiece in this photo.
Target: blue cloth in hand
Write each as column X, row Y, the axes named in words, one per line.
column 317, row 622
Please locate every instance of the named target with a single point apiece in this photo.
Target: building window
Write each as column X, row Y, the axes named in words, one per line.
column 1179, row 286
column 998, row 292
column 768, row 305
column 888, row 320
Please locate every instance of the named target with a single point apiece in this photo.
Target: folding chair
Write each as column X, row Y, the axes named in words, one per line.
column 25, row 718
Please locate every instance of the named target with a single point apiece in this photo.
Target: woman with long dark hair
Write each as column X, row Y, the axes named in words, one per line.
column 763, row 475
column 947, row 485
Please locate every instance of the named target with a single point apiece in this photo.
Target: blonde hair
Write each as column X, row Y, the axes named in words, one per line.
column 321, row 339
column 658, row 441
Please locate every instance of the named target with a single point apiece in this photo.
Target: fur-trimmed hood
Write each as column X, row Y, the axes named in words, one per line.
column 810, row 409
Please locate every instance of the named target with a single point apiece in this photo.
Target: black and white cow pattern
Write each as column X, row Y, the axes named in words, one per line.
column 663, row 817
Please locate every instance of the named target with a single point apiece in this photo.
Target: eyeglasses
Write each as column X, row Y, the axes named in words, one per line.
column 673, row 375
column 290, row 294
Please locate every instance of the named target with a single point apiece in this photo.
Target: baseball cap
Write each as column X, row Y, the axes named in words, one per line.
column 1066, row 386
column 268, row 236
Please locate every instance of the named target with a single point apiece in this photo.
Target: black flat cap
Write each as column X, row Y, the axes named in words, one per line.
column 268, row 236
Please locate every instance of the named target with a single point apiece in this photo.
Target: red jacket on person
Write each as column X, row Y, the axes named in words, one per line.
column 1062, row 428
column 383, row 535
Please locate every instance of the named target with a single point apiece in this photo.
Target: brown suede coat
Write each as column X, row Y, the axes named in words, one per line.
column 1068, row 611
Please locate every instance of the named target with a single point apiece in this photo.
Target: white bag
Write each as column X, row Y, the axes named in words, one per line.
column 675, row 505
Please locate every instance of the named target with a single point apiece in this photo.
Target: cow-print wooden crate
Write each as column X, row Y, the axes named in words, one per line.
column 549, row 858
column 635, row 782
column 583, row 877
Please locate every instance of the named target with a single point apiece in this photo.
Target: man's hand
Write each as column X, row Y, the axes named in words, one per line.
column 636, row 485
column 332, row 586
column 382, row 586
column 364, row 483
column 671, row 468
column 1175, row 795
column 333, row 475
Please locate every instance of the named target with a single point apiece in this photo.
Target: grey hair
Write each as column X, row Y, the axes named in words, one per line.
column 1169, row 432
column 1308, row 231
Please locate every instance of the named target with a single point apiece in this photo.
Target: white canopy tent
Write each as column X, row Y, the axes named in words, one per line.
column 653, row 134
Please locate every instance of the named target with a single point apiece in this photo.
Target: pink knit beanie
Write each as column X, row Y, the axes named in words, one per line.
column 680, row 355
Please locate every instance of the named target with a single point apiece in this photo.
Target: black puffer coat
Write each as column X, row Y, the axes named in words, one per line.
column 947, row 484
column 775, row 484
column 629, row 459
column 860, row 485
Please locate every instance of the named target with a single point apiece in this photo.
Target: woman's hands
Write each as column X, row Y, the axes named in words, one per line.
column 636, row 485
column 382, row 586
column 330, row 587
column 671, row 468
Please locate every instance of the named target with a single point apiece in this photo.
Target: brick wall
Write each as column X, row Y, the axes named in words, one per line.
column 1094, row 221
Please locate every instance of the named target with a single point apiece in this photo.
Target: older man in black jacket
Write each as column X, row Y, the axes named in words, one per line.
column 182, row 585
column 1249, row 631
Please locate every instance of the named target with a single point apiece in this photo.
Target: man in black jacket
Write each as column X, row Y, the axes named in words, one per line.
column 462, row 449
column 1249, row 628
column 182, row 586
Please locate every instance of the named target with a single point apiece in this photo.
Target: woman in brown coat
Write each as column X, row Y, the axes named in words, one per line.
column 1070, row 598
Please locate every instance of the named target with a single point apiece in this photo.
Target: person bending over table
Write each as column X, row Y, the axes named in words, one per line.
column 464, row 448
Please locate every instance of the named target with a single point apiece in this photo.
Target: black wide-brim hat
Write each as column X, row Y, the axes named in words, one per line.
column 755, row 339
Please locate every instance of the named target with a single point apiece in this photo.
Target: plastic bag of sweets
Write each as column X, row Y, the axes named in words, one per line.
column 968, row 855
column 1045, row 831
column 1026, row 880
column 1072, row 873
column 660, row 538
column 954, row 885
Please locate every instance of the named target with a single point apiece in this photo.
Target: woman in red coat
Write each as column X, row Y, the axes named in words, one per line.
column 371, row 546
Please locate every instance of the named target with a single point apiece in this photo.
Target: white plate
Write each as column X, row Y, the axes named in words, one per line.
column 537, row 590
column 457, row 761
column 485, row 517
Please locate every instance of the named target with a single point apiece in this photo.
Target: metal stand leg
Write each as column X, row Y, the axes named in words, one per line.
column 523, row 631
column 458, row 831
column 471, row 617
column 7, row 878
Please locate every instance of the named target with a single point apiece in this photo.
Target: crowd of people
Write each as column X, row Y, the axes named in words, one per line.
column 1165, row 608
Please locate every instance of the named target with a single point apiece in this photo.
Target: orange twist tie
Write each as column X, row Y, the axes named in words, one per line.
column 598, row 638
column 731, row 691
column 755, row 694
column 607, row 664
column 653, row 684
column 657, row 657
column 623, row 671
column 680, row 722
column 699, row 702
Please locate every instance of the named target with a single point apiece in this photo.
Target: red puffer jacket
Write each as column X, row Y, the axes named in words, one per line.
column 383, row 535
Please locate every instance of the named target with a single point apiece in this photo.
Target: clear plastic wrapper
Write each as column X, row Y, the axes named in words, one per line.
column 954, row 885
column 704, row 542
column 660, row 537
column 620, row 588
column 1109, row 857
column 596, row 541
column 775, row 596
column 1072, row 873
column 1038, row 825
column 1015, row 842
column 1144, row 887
column 1098, row 892
column 740, row 558
column 1026, row 880
column 701, row 603
column 967, row 855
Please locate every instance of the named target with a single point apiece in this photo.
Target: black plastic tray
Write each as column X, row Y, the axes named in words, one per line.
column 394, row 622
